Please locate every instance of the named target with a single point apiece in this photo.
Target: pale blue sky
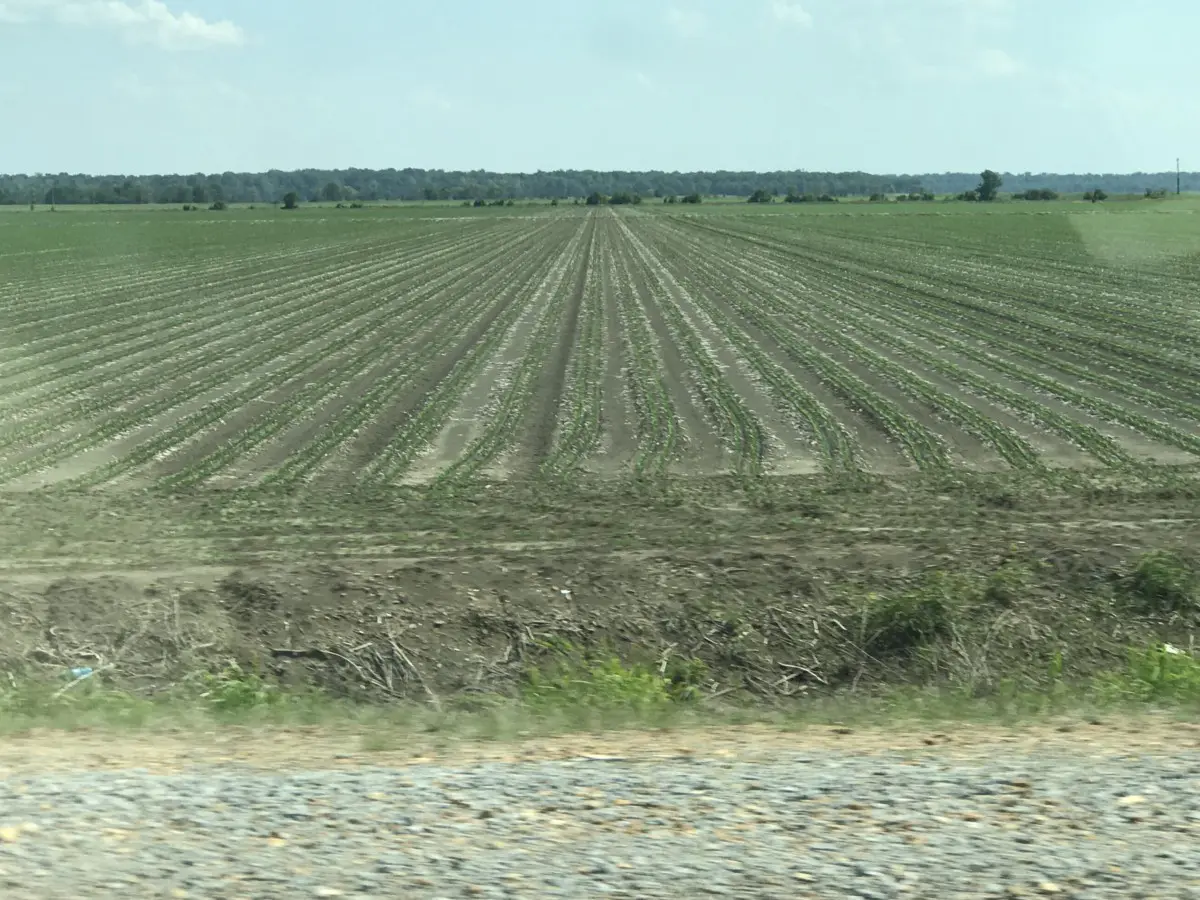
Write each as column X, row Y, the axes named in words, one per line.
column 125, row 86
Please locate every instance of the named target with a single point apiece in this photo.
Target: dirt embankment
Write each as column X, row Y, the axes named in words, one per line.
column 805, row 592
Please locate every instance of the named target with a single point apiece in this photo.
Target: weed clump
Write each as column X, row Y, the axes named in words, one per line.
column 905, row 622
column 1162, row 582
column 603, row 682
column 1007, row 585
column 1160, row 673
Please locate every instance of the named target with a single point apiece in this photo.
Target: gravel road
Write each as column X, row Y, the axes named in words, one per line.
column 790, row 821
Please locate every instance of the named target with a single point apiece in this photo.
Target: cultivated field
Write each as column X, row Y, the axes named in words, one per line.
column 406, row 447
column 343, row 349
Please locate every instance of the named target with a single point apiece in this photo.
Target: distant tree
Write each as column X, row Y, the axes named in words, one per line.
column 291, row 200
column 827, row 198
column 219, row 206
column 969, row 196
column 692, row 198
column 332, row 192
column 621, row 198
column 1095, row 196
column 1156, row 194
column 761, row 196
column 989, row 185
column 878, row 198
column 595, row 198
column 199, row 193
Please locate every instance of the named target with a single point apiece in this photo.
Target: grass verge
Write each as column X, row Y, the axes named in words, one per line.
column 577, row 693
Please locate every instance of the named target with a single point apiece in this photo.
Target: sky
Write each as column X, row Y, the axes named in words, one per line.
column 887, row 86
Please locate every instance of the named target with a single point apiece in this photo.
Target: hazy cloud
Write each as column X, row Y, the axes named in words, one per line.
column 998, row 64
column 429, row 98
column 982, row 14
column 790, row 12
column 687, row 23
column 137, row 21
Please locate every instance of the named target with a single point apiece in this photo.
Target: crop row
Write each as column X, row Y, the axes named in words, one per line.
column 581, row 420
column 887, row 316
column 172, row 328
column 787, row 316
column 986, row 348
column 511, row 402
column 324, row 321
column 738, row 427
column 431, row 408
column 731, row 304
column 842, row 303
column 1066, row 318
column 448, row 305
column 657, row 424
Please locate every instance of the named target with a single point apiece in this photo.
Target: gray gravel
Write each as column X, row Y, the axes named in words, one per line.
column 828, row 825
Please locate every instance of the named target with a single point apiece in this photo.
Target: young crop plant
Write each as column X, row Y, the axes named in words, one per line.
column 513, row 400
column 657, row 420
column 739, row 429
column 580, row 426
column 430, row 415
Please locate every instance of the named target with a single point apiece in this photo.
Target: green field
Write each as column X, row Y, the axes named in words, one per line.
column 679, row 418
column 435, row 345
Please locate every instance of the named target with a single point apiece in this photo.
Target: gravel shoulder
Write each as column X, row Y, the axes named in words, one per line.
column 1090, row 811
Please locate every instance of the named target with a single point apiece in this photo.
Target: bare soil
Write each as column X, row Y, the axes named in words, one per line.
column 402, row 594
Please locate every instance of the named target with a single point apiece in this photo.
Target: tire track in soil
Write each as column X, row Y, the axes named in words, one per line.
column 547, row 399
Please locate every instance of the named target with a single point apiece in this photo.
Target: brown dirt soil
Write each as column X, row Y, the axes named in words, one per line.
column 406, row 594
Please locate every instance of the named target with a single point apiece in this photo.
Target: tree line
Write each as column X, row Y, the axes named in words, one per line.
column 358, row 185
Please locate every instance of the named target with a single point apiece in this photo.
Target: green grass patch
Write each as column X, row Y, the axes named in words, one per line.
column 1162, row 582
column 572, row 693
column 902, row 623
